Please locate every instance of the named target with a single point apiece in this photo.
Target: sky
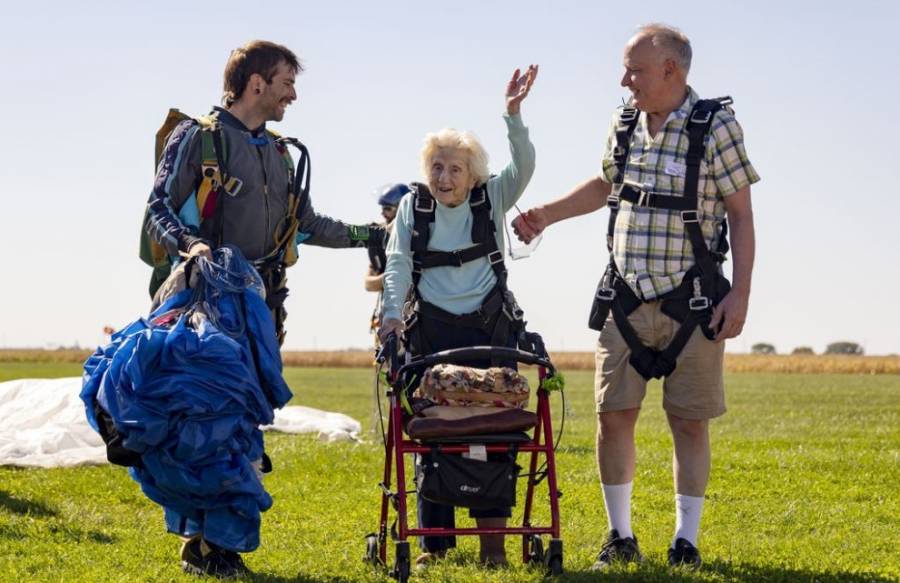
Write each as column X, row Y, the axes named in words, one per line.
column 86, row 85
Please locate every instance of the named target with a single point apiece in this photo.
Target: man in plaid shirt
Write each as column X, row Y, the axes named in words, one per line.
column 652, row 252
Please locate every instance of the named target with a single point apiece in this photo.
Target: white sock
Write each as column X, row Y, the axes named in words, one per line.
column 617, row 498
column 687, row 517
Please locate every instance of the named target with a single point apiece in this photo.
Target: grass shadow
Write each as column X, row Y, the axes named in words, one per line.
column 299, row 578
column 740, row 572
column 22, row 506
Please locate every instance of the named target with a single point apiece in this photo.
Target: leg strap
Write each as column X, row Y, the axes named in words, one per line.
column 651, row 363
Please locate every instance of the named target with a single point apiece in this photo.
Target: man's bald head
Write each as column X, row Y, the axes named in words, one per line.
column 668, row 41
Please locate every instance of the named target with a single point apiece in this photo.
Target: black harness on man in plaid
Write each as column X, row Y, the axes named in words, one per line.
column 691, row 303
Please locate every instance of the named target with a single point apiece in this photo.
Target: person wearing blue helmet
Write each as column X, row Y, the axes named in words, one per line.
column 389, row 197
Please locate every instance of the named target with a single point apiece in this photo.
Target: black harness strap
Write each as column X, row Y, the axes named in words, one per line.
column 655, row 200
column 692, row 302
column 628, row 119
column 220, row 190
column 302, row 173
column 698, row 126
column 455, row 258
column 480, row 318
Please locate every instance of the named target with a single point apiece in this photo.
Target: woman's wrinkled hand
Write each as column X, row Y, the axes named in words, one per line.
column 388, row 327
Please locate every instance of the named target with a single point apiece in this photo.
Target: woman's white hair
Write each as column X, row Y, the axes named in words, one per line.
column 476, row 155
column 672, row 41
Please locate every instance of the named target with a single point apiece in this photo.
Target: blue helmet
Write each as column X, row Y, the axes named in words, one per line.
column 391, row 194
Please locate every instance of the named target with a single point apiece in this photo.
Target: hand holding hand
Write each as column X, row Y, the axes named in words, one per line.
column 530, row 224
column 518, row 87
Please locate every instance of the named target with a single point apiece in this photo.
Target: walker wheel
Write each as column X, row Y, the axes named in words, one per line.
column 400, row 572
column 534, row 546
column 554, row 557
column 371, row 555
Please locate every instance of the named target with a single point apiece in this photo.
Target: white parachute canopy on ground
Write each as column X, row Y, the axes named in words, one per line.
column 42, row 424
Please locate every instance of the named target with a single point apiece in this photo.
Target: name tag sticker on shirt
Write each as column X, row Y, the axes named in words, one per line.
column 675, row 169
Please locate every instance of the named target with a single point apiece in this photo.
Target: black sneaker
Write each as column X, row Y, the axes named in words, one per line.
column 617, row 550
column 684, row 554
column 199, row 557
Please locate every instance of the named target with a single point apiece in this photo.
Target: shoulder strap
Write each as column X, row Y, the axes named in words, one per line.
column 628, row 118
column 280, row 145
column 698, row 126
column 211, row 135
column 424, row 207
column 484, row 231
column 299, row 180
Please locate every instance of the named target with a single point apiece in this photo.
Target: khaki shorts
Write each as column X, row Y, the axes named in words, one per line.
column 694, row 390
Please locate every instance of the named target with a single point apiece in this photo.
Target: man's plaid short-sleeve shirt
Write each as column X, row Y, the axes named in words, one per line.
column 650, row 246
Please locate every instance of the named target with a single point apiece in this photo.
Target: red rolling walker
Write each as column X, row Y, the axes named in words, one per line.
column 396, row 446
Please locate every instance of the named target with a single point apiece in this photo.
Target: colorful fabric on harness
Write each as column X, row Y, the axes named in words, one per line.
column 206, row 203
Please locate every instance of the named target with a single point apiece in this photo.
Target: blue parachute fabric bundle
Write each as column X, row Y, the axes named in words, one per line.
column 187, row 388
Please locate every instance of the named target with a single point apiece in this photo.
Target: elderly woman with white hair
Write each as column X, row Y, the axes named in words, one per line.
column 447, row 250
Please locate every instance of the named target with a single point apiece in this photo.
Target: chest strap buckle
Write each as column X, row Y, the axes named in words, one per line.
column 690, row 217
column 425, row 204
column 699, row 304
column 701, row 116
column 606, row 294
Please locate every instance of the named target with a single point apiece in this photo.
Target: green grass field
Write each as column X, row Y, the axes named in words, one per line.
column 805, row 487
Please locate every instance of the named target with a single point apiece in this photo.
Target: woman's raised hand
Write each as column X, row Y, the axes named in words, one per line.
column 518, row 87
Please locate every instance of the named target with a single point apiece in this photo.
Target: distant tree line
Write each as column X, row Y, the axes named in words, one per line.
column 840, row 347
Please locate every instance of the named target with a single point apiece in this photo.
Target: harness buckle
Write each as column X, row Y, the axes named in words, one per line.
column 606, row 294
column 690, row 217
column 613, row 203
column 420, row 207
column 211, row 172
column 643, row 198
column 513, row 314
column 628, row 114
column 618, row 153
column 495, row 257
column 458, row 257
column 482, row 197
column 699, row 304
column 701, row 116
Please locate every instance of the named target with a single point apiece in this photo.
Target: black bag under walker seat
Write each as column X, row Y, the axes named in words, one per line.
column 458, row 481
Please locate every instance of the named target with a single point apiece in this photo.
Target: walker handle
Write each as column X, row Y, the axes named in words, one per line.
column 388, row 352
column 479, row 353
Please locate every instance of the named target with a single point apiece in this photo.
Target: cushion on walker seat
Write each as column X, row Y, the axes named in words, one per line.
column 454, row 385
column 446, row 421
